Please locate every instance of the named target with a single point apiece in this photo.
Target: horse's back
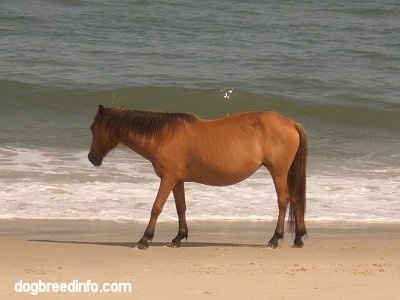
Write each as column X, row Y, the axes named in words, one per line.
column 248, row 126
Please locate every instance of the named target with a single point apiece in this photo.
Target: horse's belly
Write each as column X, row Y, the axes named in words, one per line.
column 221, row 174
column 224, row 156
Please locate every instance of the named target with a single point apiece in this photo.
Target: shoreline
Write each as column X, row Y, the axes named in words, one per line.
column 21, row 228
column 220, row 260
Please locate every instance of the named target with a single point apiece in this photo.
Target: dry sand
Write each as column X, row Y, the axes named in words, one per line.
column 221, row 260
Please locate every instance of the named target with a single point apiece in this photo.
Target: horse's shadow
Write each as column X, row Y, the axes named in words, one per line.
column 154, row 244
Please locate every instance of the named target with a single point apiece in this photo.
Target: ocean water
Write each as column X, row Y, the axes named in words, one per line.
column 333, row 66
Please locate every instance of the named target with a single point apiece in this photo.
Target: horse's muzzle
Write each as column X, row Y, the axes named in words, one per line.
column 94, row 159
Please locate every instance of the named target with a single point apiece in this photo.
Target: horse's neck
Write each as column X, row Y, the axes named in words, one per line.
column 141, row 144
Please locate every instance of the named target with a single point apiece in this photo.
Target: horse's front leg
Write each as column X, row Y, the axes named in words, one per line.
column 162, row 196
column 179, row 195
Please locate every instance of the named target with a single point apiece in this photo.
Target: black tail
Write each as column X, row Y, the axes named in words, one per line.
column 297, row 181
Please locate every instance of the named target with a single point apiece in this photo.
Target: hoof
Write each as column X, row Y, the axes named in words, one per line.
column 298, row 244
column 274, row 241
column 272, row 245
column 143, row 246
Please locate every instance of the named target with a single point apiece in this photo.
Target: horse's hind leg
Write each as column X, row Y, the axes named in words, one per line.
column 283, row 201
column 179, row 195
column 300, row 227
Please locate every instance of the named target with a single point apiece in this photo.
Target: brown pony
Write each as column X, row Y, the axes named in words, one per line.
column 225, row 151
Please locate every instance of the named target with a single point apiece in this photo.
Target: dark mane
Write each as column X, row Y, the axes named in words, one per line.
column 146, row 124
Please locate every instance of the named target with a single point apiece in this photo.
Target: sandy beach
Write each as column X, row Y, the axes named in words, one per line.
column 221, row 260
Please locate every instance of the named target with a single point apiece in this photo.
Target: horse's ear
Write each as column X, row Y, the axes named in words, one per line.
column 101, row 110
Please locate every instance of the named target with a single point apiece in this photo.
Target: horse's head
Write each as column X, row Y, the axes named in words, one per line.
column 103, row 138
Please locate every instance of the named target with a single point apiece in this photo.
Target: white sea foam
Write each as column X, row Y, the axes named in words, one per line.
column 51, row 183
